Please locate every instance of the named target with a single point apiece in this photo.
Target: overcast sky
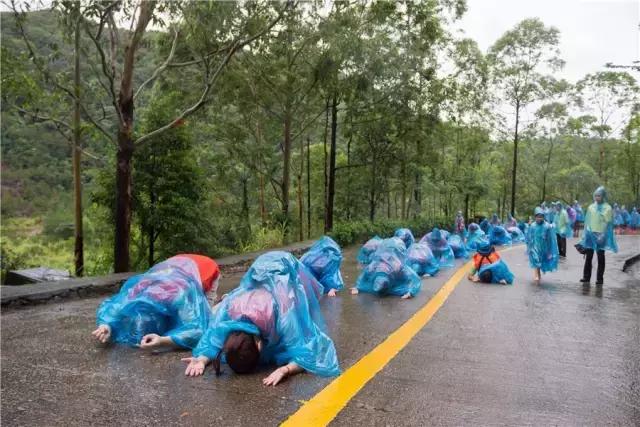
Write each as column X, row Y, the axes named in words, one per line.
column 592, row 32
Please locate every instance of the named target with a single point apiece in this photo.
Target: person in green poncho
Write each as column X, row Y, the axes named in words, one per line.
column 598, row 235
column 563, row 228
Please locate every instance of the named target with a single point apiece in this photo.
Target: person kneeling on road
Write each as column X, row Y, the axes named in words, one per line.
column 488, row 267
column 272, row 317
column 166, row 306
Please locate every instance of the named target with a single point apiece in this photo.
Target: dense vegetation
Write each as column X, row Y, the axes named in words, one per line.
column 281, row 121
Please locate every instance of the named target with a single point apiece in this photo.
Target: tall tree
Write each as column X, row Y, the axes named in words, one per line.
column 606, row 95
column 518, row 57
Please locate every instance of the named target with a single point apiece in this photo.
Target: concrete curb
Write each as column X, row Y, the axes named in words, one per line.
column 39, row 293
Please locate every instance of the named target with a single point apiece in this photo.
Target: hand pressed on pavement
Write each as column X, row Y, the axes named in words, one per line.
column 102, row 334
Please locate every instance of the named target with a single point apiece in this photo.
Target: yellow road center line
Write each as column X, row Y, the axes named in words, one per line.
column 325, row 406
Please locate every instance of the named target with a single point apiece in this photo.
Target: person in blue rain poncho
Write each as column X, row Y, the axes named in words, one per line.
column 421, row 260
column 485, row 226
column 474, row 235
column 626, row 216
column 598, row 235
column 459, row 227
column 388, row 274
column 437, row 241
column 488, row 266
column 405, row 235
column 577, row 225
column 562, row 226
column 542, row 246
column 571, row 213
column 272, row 317
column 458, row 246
column 394, row 244
column 495, row 220
column 618, row 219
column 324, row 259
column 634, row 219
column 549, row 213
column 514, row 231
column 499, row 236
column 166, row 306
column 367, row 250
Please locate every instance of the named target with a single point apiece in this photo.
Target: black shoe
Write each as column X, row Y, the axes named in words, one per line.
column 600, row 282
column 583, row 280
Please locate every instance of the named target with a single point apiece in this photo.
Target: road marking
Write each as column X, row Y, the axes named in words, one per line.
column 326, row 404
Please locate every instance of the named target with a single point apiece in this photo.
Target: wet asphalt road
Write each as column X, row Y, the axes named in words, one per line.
column 554, row 354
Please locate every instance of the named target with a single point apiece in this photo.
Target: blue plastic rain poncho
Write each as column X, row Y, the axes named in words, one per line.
column 475, row 234
column 394, row 244
column 517, row 236
column 511, row 222
column 618, row 220
column 278, row 300
column 598, row 225
column 437, row 241
column 495, row 220
column 626, row 216
column 458, row 226
column 324, row 259
column 542, row 245
column 458, row 246
column 634, row 219
column 579, row 212
column 499, row 236
column 572, row 215
column 485, row 226
column 549, row 214
column 387, row 274
column 405, row 235
column 499, row 271
column 167, row 300
column 561, row 222
column 523, row 226
column 495, row 266
column 421, row 260
column 366, row 251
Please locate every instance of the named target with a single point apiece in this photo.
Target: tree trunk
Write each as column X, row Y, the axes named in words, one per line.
column 326, row 157
column 78, row 251
column 515, row 161
column 286, row 169
column 372, row 189
column 403, row 180
column 263, row 210
column 349, row 177
column 246, row 221
column 328, row 226
column 123, row 201
column 308, row 189
column 300, row 206
column 466, row 208
column 152, row 231
column 124, row 154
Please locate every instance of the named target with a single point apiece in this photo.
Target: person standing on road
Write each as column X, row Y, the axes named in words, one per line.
column 577, row 225
column 542, row 246
column 598, row 235
column 563, row 228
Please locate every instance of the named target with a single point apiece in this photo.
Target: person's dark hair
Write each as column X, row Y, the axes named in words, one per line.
column 241, row 353
column 485, row 276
